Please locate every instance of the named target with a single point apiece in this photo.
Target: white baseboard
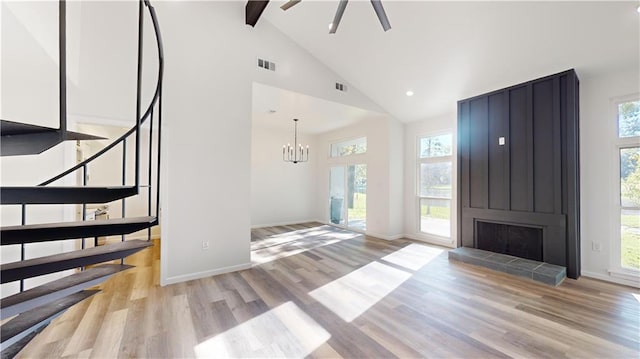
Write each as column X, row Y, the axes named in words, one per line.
column 384, row 236
column 432, row 240
column 208, row 273
column 613, row 279
column 253, row 226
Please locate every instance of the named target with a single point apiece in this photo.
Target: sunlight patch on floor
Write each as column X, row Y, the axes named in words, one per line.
column 351, row 295
column 414, row 256
column 292, row 243
column 285, row 331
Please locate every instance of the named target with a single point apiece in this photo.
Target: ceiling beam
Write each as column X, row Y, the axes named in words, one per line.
column 253, row 10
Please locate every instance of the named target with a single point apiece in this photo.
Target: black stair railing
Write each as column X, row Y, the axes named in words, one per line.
column 135, row 131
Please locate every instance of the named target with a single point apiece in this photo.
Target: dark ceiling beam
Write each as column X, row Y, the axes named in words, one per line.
column 253, row 10
column 382, row 15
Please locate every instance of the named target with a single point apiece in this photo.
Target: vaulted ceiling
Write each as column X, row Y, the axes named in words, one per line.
column 447, row 51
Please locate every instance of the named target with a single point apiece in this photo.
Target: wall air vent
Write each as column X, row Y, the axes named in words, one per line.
column 266, row 64
column 341, row 87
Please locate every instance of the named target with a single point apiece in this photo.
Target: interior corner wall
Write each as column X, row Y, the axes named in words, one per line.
column 281, row 192
column 598, row 175
column 396, row 179
column 412, row 131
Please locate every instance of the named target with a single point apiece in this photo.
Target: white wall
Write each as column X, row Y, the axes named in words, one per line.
column 281, row 192
column 412, row 131
column 598, row 170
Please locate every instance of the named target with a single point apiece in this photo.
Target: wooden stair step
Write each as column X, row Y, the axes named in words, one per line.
column 43, row 232
column 64, row 195
column 58, row 262
column 54, row 290
column 25, row 323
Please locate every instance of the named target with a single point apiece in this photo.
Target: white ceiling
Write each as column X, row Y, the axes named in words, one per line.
column 276, row 108
column 447, row 51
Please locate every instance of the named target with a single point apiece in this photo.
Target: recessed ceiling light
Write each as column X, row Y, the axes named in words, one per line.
column 409, row 93
column 638, row 9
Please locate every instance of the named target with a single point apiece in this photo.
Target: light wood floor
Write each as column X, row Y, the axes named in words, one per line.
column 321, row 292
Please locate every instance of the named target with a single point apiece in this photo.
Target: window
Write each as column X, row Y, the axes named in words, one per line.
column 628, row 158
column 349, row 147
column 435, row 163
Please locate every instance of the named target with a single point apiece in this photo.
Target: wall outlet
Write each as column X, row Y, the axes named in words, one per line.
column 596, row 246
column 205, row 244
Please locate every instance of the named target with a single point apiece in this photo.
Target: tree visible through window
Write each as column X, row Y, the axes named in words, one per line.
column 629, row 157
column 435, row 184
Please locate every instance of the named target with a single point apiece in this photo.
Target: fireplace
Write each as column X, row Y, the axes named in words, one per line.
column 516, row 240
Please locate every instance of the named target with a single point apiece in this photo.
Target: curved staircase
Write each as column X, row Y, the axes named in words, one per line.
column 33, row 309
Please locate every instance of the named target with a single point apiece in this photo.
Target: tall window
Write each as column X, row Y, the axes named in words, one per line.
column 628, row 153
column 434, row 184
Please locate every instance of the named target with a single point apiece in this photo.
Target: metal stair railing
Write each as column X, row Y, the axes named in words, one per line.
column 149, row 113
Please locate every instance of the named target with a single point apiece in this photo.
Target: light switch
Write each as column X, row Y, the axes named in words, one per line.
column 501, row 141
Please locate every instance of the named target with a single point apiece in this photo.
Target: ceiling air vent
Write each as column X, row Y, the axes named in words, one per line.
column 341, row 87
column 266, row 64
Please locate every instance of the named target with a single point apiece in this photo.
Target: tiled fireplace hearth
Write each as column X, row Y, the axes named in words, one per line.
column 538, row 271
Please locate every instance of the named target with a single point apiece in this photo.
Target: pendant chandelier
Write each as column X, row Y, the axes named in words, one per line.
column 295, row 153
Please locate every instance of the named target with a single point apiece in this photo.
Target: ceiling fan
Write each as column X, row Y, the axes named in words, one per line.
column 254, row 9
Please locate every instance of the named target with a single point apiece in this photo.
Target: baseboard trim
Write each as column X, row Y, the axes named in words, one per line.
column 431, row 240
column 383, row 236
column 612, row 279
column 254, row 226
column 203, row 274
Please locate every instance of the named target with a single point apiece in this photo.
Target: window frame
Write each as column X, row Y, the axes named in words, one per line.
column 437, row 159
column 615, row 263
column 336, row 142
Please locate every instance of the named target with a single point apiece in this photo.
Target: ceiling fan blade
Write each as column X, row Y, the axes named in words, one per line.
column 382, row 16
column 253, row 10
column 291, row 3
column 338, row 17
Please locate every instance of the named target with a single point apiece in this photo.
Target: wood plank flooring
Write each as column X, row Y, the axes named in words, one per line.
column 320, row 292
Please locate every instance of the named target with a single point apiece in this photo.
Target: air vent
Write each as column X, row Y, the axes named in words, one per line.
column 266, row 64
column 341, row 87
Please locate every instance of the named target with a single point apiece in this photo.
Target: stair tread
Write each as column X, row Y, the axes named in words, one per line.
column 64, row 194
column 66, row 283
column 57, row 262
column 27, row 139
column 29, row 319
column 42, row 232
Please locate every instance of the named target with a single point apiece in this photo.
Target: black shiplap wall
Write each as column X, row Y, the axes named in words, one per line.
column 532, row 179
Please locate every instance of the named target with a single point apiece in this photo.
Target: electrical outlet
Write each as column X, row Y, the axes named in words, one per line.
column 205, row 244
column 596, row 246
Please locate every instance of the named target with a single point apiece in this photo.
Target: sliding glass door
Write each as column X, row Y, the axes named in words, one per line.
column 348, row 196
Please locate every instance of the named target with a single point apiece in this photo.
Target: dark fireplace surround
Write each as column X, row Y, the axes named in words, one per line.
column 516, row 240
column 518, row 171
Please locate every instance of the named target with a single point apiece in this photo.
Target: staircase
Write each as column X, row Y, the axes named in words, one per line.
column 28, row 312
